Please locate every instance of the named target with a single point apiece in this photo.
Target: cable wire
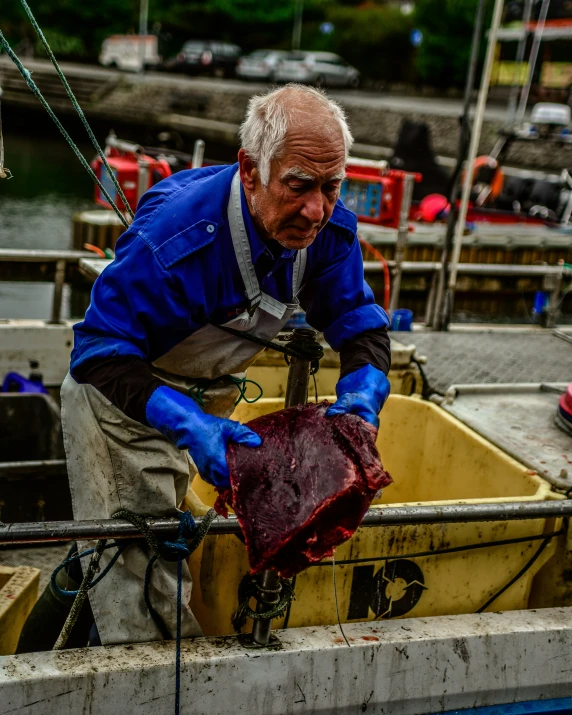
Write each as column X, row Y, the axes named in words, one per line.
column 76, row 106
column 337, row 604
column 26, row 74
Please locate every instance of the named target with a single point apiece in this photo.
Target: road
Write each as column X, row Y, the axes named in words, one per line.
column 445, row 107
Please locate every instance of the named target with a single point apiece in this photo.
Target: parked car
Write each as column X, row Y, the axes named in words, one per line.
column 324, row 69
column 132, row 53
column 205, row 57
column 260, row 64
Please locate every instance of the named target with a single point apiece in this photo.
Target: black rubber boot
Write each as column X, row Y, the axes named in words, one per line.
column 47, row 618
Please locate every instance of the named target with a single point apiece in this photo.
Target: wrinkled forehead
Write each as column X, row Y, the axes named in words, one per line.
column 312, row 150
column 297, row 172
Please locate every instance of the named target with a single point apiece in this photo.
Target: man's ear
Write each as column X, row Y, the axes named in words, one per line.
column 248, row 170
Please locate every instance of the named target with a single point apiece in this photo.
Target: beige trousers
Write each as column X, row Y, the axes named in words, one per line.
column 116, row 463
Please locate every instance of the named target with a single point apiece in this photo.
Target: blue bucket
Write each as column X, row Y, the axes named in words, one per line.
column 402, row 319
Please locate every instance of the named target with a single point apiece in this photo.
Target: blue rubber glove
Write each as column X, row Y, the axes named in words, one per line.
column 361, row 393
column 182, row 421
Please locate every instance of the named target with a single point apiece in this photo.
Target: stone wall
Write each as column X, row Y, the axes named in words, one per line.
column 370, row 125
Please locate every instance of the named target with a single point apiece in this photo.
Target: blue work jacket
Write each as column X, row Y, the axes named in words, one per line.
column 175, row 270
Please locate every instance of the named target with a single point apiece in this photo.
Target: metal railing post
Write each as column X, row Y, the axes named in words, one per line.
column 296, row 394
column 554, row 305
column 402, row 238
column 59, row 279
column 431, row 298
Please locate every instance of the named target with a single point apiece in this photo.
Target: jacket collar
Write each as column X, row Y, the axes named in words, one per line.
column 341, row 217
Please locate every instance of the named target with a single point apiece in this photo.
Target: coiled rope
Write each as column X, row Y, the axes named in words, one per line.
column 278, row 600
column 201, row 385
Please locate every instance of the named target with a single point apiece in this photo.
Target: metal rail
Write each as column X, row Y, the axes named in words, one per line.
column 43, row 531
column 63, row 258
column 60, row 258
column 554, row 273
column 492, row 269
column 42, row 256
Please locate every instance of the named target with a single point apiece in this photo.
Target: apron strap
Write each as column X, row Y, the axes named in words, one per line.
column 298, row 273
column 241, row 244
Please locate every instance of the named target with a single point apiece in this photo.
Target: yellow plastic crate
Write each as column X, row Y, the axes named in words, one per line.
column 433, row 459
column 18, row 593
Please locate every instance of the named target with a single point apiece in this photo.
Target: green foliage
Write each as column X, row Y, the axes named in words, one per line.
column 255, row 11
column 447, row 27
column 374, row 38
column 62, row 45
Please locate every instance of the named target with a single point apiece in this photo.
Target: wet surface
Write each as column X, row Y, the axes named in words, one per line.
column 45, row 558
column 490, row 357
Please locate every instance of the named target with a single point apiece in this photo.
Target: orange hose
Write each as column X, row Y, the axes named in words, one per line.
column 386, row 275
column 95, row 249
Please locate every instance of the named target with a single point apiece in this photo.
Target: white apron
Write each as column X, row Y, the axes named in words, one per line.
column 117, row 463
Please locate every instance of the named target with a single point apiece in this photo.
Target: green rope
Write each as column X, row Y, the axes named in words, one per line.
column 249, row 588
column 241, row 383
column 76, row 106
column 32, row 85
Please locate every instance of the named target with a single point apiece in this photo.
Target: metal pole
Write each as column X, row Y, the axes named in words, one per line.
column 296, row 394
column 297, row 29
column 430, row 307
column 511, row 114
column 59, row 280
column 556, row 281
column 143, row 30
column 143, row 17
column 402, row 238
column 438, row 306
column 198, row 154
column 142, row 177
column 45, row 531
column 532, row 62
column 475, row 138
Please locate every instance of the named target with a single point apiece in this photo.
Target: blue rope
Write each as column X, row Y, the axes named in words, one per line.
column 181, row 550
column 76, row 557
column 178, row 644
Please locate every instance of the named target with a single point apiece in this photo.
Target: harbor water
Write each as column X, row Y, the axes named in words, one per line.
column 47, row 187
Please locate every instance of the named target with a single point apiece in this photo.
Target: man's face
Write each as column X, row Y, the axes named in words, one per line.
column 303, row 187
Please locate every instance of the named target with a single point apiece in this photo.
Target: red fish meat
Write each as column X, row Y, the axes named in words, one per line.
column 306, row 489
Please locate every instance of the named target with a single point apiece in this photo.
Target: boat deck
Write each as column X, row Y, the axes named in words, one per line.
column 474, row 356
column 45, row 558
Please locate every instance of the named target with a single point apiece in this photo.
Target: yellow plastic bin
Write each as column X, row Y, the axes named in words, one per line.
column 271, row 373
column 433, row 459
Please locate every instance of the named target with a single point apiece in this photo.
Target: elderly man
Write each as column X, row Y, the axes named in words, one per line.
column 240, row 246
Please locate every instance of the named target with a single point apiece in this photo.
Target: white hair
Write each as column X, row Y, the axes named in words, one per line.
column 264, row 130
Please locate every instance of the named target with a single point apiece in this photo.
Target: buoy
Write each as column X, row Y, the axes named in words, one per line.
column 564, row 414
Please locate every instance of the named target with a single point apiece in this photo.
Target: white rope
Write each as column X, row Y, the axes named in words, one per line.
column 337, row 605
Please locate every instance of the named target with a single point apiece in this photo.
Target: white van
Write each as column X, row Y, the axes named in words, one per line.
column 132, row 53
